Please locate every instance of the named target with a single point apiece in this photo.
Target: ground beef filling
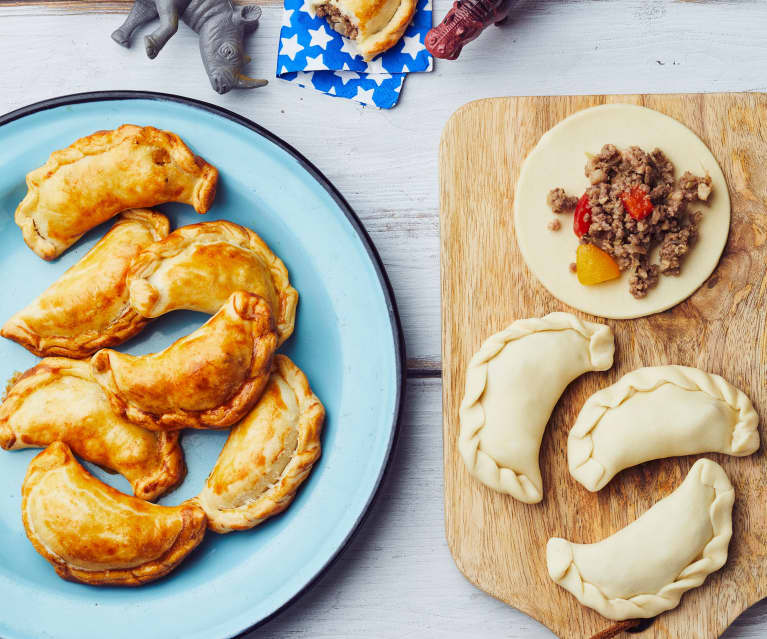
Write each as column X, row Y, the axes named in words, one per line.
column 669, row 226
column 337, row 20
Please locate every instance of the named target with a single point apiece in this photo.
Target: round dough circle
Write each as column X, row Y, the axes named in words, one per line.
column 559, row 159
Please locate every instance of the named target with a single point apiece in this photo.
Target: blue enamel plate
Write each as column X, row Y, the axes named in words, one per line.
column 347, row 340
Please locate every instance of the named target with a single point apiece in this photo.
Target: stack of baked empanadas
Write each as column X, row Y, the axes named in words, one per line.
column 124, row 412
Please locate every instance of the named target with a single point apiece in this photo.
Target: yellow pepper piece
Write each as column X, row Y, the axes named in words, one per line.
column 594, row 266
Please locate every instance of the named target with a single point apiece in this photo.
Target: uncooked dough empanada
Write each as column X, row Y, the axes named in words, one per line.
column 656, row 412
column 58, row 400
column 209, row 379
column 88, row 307
column 102, row 174
column 94, row 534
column 644, row 569
column 197, row 267
column 374, row 25
column 512, row 385
column 268, row 454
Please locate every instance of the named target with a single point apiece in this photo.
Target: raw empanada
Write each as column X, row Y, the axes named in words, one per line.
column 102, row 174
column 88, row 307
column 58, row 400
column 268, row 454
column 374, row 25
column 209, row 379
column 94, row 534
column 644, row 569
column 197, row 267
column 512, row 385
column 655, row 412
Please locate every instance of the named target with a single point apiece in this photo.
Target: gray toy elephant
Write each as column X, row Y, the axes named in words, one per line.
column 219, row 25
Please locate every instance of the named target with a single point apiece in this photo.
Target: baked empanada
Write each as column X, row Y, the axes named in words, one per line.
column 88, row 307
column 267, row 455
column 374, row 25
column 94, row 534
column 209, row 379
column 656, row 412
column 100, row 175
column 512, row 385
column 644, row 569
column 197, row 267
column 58, row 400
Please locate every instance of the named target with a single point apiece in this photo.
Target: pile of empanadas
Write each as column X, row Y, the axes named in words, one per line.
column 124, row 412
column 512, row 385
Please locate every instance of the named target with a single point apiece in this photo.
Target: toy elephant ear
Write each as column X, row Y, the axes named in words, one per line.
column 248, row 15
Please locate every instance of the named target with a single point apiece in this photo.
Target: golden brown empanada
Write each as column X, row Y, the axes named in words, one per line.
column 374, row 25
column 58, row 400
column 197, row 267
column 100, row 175
column 209, row 379
column 88, row 307
column 94, row 534
column 268, row 454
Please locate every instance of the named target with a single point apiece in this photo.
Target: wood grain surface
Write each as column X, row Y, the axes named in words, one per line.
column 499, row 543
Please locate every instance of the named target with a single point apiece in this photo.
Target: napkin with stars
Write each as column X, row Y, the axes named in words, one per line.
column 313, row 55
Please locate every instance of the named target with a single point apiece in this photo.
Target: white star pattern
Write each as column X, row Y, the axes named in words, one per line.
column 366, row 97
column 347, row 75
column 413, row 46
column 349, row 47
column 320, row 37
column 379, row 78
column 304, row 78
column 305, row 8
column 286, row 15
column 376, row 66
column 405, row 69
column 315, row 64
column 290, row 46
column 332, row 90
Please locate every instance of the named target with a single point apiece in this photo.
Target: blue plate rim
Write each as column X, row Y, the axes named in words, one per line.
column 364, row 237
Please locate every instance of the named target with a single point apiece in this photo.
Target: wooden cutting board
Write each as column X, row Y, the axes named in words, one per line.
column 499, row 543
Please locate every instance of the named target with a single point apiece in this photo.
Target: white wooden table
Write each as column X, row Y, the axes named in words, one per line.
column 397, row 578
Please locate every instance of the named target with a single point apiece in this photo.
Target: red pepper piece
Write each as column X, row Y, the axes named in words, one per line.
column 636, row 202
column 582, row 217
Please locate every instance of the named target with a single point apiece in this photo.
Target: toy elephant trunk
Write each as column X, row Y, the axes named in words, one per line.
column 221, row 29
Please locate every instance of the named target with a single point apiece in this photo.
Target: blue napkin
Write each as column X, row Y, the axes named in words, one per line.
column 311, row 54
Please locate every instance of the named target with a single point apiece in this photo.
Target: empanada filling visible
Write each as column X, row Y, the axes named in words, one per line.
column 337, row 20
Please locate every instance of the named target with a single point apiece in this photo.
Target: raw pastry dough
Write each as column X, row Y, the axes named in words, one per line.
column 94, row 534
column 58, row 400
column 197, row 267
column 644, row 569
column 268, row 454
column 655, row 412
column 209, row 379
column 102, row 174
column 512, row 385
column 88, row 307
column 379, row 23
column 558, row 160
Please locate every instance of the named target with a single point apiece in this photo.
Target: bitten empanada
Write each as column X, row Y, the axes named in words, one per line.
column 512, row 385
column 645, row 568
column 267, row 455
column 656, row 412
column 100, row 175
column 209, row 379
column 374, row 25
column 94, row 534
column 88, row 307
column 58, row 400
column 197, row 267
